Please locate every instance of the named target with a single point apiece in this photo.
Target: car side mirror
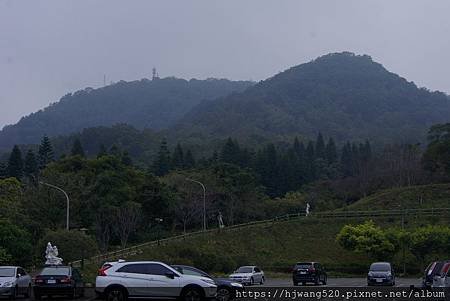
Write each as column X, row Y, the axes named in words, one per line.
column 170, row 275
column 18, row 275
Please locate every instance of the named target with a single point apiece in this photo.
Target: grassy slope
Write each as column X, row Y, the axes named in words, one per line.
column 425, row 196
column 276, row 246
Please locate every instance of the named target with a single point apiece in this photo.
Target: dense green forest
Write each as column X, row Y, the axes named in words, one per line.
column 116, row 203
column 346, row 96
column 153, row 104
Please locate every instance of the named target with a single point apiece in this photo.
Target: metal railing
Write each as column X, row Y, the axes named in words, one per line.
column 137, row 249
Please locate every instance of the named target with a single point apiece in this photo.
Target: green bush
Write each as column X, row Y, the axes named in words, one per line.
column 72, row 245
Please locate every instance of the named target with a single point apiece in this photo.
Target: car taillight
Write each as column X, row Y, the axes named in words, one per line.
column 311, row 269
column 103, row 269
column 65, row 280
column 38, row 280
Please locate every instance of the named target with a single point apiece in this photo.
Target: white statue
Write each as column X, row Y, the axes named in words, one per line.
column 220, row 220
column 308, row 207
column 51, row 255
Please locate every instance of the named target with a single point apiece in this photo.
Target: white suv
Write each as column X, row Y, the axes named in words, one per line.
column 120, row 280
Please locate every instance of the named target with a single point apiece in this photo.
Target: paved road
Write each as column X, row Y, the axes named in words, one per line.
column 279, row 282
column 345, row 282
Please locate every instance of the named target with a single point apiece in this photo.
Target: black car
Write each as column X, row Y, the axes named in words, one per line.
column 381, row 273
column 431, row 271
column 304, row 272
column 58, row 281
column 226, row 289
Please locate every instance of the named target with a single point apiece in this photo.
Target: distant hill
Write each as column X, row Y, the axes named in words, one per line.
column 155, row 104
column 343, row 95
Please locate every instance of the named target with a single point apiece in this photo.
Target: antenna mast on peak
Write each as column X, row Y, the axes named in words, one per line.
column 155, row 74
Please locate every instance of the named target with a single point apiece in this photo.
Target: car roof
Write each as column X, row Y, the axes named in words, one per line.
column 9, row 267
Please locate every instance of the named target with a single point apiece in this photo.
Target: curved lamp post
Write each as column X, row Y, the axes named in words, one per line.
column 67, row 199
column 204, row 200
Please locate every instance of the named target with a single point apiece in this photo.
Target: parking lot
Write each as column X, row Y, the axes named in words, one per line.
column 280, row 282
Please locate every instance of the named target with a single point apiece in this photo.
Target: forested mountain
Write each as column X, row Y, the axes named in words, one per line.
column 343, row 95
column 154, row 104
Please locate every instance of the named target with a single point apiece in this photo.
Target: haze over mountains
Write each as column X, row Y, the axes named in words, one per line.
column 346, row 96
column 154, row 104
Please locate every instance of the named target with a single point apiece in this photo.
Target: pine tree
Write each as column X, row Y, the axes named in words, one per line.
column 3, row 170
column 215, row 157
column 347, row 160
column 189, row 161
column 230, row 152
column 115, row 151
column 102, row 151
column 161, row 165
column 178, row 157
column 126, row 159
column 309, row 162
column 77, row 148
column 45, row 153
column 15, row 163
column 331, row 152
column 320, row 147
column 31, row 167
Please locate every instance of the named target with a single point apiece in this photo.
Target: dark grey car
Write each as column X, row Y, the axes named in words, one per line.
column 381, row 273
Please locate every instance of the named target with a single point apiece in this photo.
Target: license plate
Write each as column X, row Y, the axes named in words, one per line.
column 302, row 272
column 51, row 281
column 379, row 280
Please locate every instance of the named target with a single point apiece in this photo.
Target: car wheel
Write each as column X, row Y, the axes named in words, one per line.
column 252, row 281
column 317, row 280
column 324, row 282
column 14, row 293
column 28, row 292
column 262, row 280
column 192, row 294
column 116, row 294
column 224, row 294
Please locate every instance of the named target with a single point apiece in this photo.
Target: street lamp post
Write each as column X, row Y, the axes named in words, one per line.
column 204, row 201
column 67, row 201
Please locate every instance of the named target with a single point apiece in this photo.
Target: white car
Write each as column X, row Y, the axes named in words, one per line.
column 442, row 279
column 151, row 279
column 248, row 275
column 14, row 281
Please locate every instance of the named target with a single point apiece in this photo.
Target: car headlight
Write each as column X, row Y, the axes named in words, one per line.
column 389, row 274
column 370, row 274
column 235, row 284
column 7, row 284
column 209, row 281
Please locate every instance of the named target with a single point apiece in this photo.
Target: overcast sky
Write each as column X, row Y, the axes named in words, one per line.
column 50, row 48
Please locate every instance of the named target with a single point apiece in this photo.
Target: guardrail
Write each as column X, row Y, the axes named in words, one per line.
column 134, row 250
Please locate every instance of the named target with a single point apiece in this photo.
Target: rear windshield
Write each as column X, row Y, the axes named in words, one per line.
column 380, row 267
column 7, row 272
column 245, row 270
column 303, row 265
column 54, row 271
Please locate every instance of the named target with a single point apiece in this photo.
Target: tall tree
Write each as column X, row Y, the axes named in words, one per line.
column 102, row 151
column 15, row 163
column 161, row 165
column 189, row 160
column 320, row 147
column 230, row 152
column 331, row 152
column 45, row 153
column 77, row 149
column 31, row 167
column 3, row 170
column 347, row 160
column 178, row 157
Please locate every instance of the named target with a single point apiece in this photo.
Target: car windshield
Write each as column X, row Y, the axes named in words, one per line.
column 245, row 270
column 54, row 271
column 190, row 271
column 7, row 272
column 303, row 265
column 380, row 267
